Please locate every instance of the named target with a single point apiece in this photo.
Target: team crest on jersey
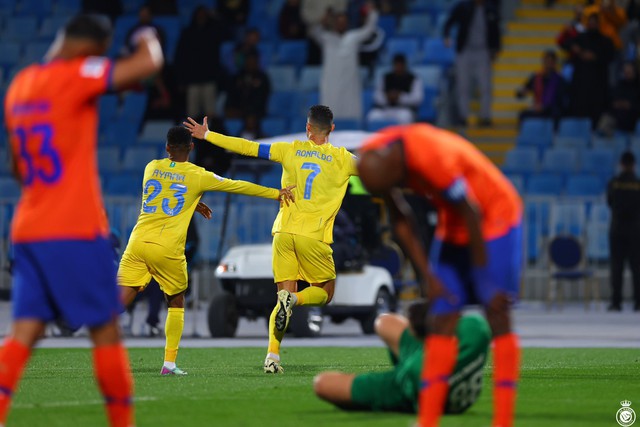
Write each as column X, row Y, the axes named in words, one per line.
column 94, row 67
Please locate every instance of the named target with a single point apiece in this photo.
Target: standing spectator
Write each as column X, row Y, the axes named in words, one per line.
column 547, row 87
column 290, row 23
column 612, row 19
column 248, row 46
column 478, row 44
column 313, row 13
column 249, row 90
column 398, row 94
column 197, row 63
column 589, row 85
column 568, row 34
column 625, row 99
column 234, row 12
column 340, row 83
column 623, row 197
column 145, row 19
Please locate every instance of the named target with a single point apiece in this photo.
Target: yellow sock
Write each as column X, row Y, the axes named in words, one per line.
column 313, row 295
column 275, row 336
column 173, row 331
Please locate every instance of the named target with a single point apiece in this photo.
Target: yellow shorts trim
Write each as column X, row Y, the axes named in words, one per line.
column 143, row 260
column 298, row 257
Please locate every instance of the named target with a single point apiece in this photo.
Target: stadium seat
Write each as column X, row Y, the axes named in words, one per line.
column 388, row 23
column 20, row 29
column 9, row 53
column 435, row 52
column 376, row 125
column 418, row 25
column 575, row 128
column 571, row 142
column 155, row 132
column 40, row 8
column 617, row 143
column 291, row 53
column 108, row 107
column 517, row 181
column 68, row 7
column 427, row 111
column 585, row 186
column 233, row 126
column 430, row 75
column 367, row 100
column 136, row 158
column 280, row 105
column 559, row 160
column 271, row 178
column 274, row 126
column 544, row 185
column 408, row 46
column 35, row 51
column 600, row 161
column 303, row 102
column 309, row 79
column 124, row 184
column 283, row 77
column 521, row 160
column 119, row 133
column 536, row 133
column 51, row 25
column 347, row 124
column 568, row 218
column 133, row 108
column 9, row 187
column 108, row 159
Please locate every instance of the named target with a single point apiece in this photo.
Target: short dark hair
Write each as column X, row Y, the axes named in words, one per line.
column 91, row 27
column 179, row 137
column 627, row 159
column 321, row 117
column 399, row 58
column 551, row 54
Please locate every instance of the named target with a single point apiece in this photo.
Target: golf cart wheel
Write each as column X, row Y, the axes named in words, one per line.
column 383, row 304
column 306, row 322
column 223, row 316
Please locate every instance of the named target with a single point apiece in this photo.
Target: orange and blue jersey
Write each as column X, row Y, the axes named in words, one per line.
column 52, row 119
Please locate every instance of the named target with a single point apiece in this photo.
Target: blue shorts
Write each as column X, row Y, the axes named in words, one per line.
column 452, row 265
column 72, row 280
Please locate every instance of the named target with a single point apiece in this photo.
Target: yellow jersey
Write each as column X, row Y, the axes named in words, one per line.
column 320, row 172
column 170, row 193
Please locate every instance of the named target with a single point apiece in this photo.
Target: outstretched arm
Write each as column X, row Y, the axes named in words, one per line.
column 213, row 182
column 237, row 145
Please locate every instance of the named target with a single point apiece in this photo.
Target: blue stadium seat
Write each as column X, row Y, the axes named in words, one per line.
column 108, row 107
column 415, row 25
column 559, row 160
column 283, row 77
column 119, row 133
column 108, row 159
column 9, row 53
column 585, row 185
column 347, row 124
column 20, row 29
column 376, row 125
column 280, row 104
column 571, row 142
column 68, row 7
column 9, row 187
column 304, row 101
column 388, row 23
column 35, row 51
column 40, row 8
column 518, row 182
column 273, row 126
column 435, row 52
column 291, row 53
column 617, row 143
column 124, row 184
column 267, row 51
column 575, row 128
column 133, row 108
column 155, row 132
column 536, row 133
column 600, row 161
column 427, row 110
column 309, row 79
column 5, row 167
column 408, row 46
column 51, row 25
column 136, row 158
column 272, row 178
column 233, row 126
column 430, row 75
column 521, row 160
column 367, row 99
column 544, row 185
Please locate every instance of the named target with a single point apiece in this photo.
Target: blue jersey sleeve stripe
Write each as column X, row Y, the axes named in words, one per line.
column 264, row 151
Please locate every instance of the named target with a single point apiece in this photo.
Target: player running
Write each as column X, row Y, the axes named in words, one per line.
column 63, row 261
column 303, row 231
column 476, row 256
column 397, row 389
column 172, row 188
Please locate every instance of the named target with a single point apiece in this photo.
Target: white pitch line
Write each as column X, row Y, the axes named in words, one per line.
column 71, row 403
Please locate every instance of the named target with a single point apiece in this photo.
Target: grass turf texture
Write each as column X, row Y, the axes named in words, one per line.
column 226, row 387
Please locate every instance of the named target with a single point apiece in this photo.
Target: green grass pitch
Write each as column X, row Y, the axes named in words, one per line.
column 226, row 387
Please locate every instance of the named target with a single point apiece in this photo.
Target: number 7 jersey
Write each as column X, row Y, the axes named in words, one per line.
column 321, row 175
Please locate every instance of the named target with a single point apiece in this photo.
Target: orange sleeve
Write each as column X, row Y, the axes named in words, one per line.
column 92, row 76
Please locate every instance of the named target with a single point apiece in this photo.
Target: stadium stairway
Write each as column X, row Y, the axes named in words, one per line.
column 532, row 30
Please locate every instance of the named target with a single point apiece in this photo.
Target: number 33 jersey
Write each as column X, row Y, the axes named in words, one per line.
column 52, row 119
column 321, row 175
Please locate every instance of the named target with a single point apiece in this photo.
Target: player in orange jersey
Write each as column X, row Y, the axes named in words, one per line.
column 63, row 261
column 476, row 256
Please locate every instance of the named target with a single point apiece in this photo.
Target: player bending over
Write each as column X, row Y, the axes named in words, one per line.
column 63, row 260
column 397, row 389
column 172, row 188
column 476, row 255
column 302, row 232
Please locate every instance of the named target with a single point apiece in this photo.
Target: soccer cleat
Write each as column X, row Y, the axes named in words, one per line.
column 174, row 371
column 284, row 310
column 272, row 366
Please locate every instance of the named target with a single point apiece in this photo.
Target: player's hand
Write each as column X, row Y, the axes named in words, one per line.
column 286, row 195
column 204, row 210
column 197, row 130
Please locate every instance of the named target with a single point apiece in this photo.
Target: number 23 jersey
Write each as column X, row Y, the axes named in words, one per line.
column 321, row 175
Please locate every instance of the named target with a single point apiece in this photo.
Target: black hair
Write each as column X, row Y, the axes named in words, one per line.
column 627, row 159
column 399, row 58
column 321, row 117
column 91, row 27
column 179, row 137
column 550, row 53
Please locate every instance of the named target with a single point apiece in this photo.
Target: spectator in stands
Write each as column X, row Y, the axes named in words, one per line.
column 251, row 129
column 612, row 19
column 398, row 94
column 623, row 197
column 589, row 85
column 290, row 23
column 568, row 34
column 234, row 12
column 248, row 46
column 625, row 99
column 478, row 44
column 197, row 63
column 145, row 19
column 548, row 89
column 249, row 90
column 111, row 8
column 313, row 13
column 340, row 83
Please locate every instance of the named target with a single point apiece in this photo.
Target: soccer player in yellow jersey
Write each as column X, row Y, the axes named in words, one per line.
column 302, row 232
column 172, row 188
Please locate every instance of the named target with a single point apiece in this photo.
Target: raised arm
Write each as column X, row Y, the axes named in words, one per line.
column 144, row 62
column 363, row 33
column 237, row 145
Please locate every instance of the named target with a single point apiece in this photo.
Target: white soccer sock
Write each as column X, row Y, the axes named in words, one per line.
column 294, row 298
column 170, row 365
column 273, row 356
